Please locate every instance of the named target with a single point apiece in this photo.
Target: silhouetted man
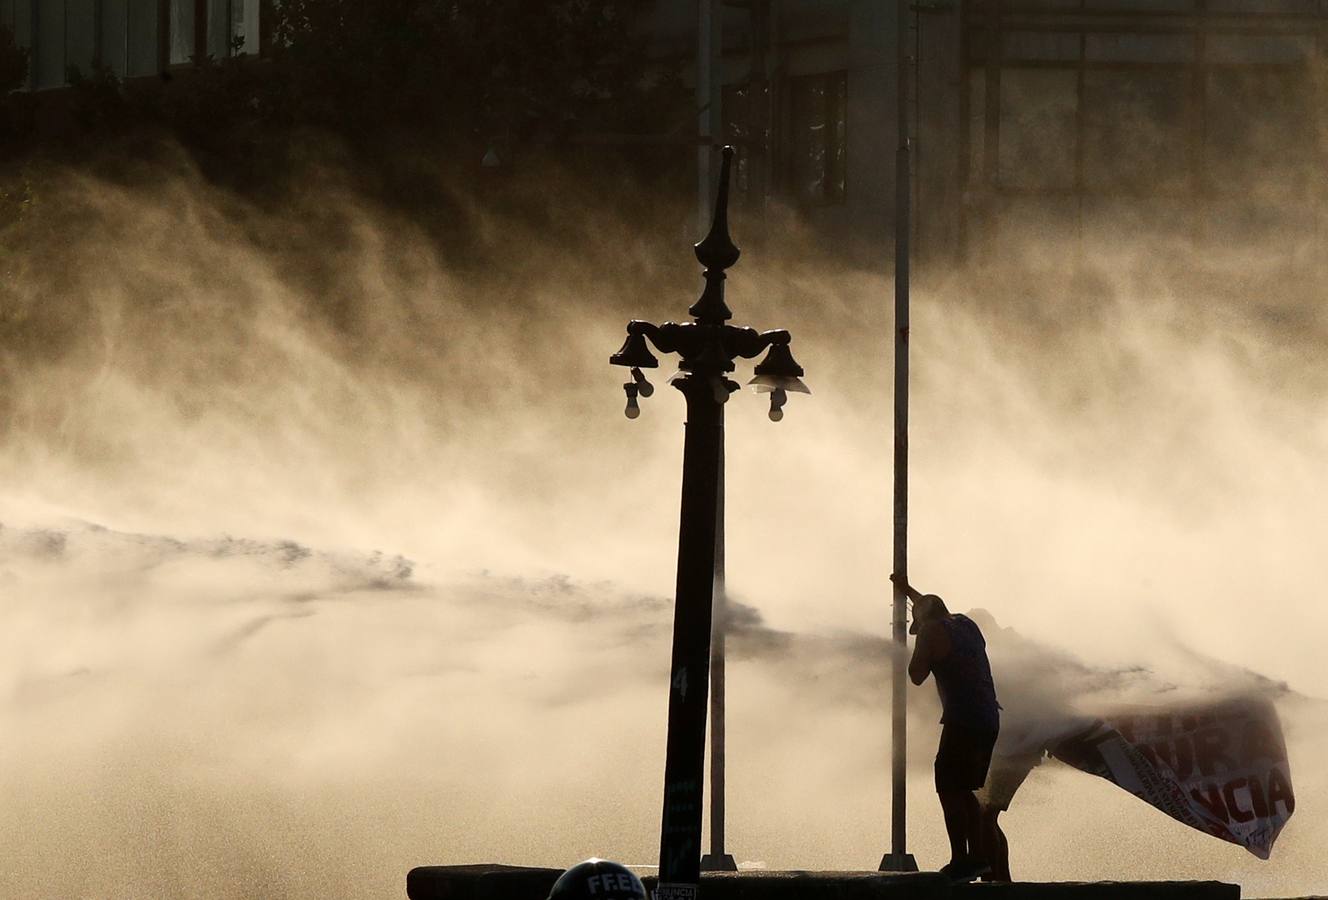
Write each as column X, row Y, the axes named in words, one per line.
column 951, row 648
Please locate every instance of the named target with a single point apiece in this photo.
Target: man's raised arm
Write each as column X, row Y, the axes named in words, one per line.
column 911, row 592
column 919, row 667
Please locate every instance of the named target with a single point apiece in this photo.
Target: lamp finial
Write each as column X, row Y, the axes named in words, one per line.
column 717, row 252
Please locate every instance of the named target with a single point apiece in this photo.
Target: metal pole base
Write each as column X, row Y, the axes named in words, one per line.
column 721, row 863
column 898, row 862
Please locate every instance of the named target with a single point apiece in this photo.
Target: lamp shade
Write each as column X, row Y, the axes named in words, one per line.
column 779, row 371
column 635, row 354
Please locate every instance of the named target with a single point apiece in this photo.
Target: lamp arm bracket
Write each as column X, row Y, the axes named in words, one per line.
column 749, row 343
column 669, row 337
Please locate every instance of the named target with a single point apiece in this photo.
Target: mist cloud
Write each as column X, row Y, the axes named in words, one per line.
column 326, row 555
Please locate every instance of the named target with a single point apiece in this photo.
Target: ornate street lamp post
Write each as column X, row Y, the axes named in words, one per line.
column 708, row 347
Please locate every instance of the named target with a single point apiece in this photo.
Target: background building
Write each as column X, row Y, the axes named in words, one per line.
column 1095, row 119
column 130, row 37
column 1199, row 121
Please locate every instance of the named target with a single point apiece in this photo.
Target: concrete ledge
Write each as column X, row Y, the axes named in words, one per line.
column 1100, row 890
column 765, row 885
column 486, row 882
column 493, row 882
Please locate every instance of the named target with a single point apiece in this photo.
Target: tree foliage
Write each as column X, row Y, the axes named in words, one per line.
column 506, row 69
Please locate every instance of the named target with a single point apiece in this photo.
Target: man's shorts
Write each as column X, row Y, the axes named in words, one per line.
column 963, row 757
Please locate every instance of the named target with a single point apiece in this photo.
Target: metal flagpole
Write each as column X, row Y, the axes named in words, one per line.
column 709, row 125
column 899, row 859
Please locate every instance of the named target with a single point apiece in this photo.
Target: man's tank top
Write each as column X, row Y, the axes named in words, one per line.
column 963, row 677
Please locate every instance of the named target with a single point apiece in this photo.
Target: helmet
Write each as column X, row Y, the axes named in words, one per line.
column 597, row 879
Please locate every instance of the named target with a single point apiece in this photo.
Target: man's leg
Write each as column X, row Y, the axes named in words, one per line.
column 996, row 847
column 963, row 825
column 956, row 777
column 955, row 808
column 1007, row 775
column 973, row 824
column 949, row 775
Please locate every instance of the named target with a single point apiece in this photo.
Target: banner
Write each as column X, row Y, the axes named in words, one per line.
column 1220, row 768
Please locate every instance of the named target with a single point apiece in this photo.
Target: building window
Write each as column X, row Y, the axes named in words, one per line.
column 1136, row 128
column 232, row 27
column 745, row 112
column 1039, row 111
column 245, row 37
column 47, row 65
column 214, row 28
column 127, row 37
column 139, row 45
column 182, row 31
column 818, row 112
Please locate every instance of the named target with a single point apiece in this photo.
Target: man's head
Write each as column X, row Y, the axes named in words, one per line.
column 597, row 879
column 927, row 608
